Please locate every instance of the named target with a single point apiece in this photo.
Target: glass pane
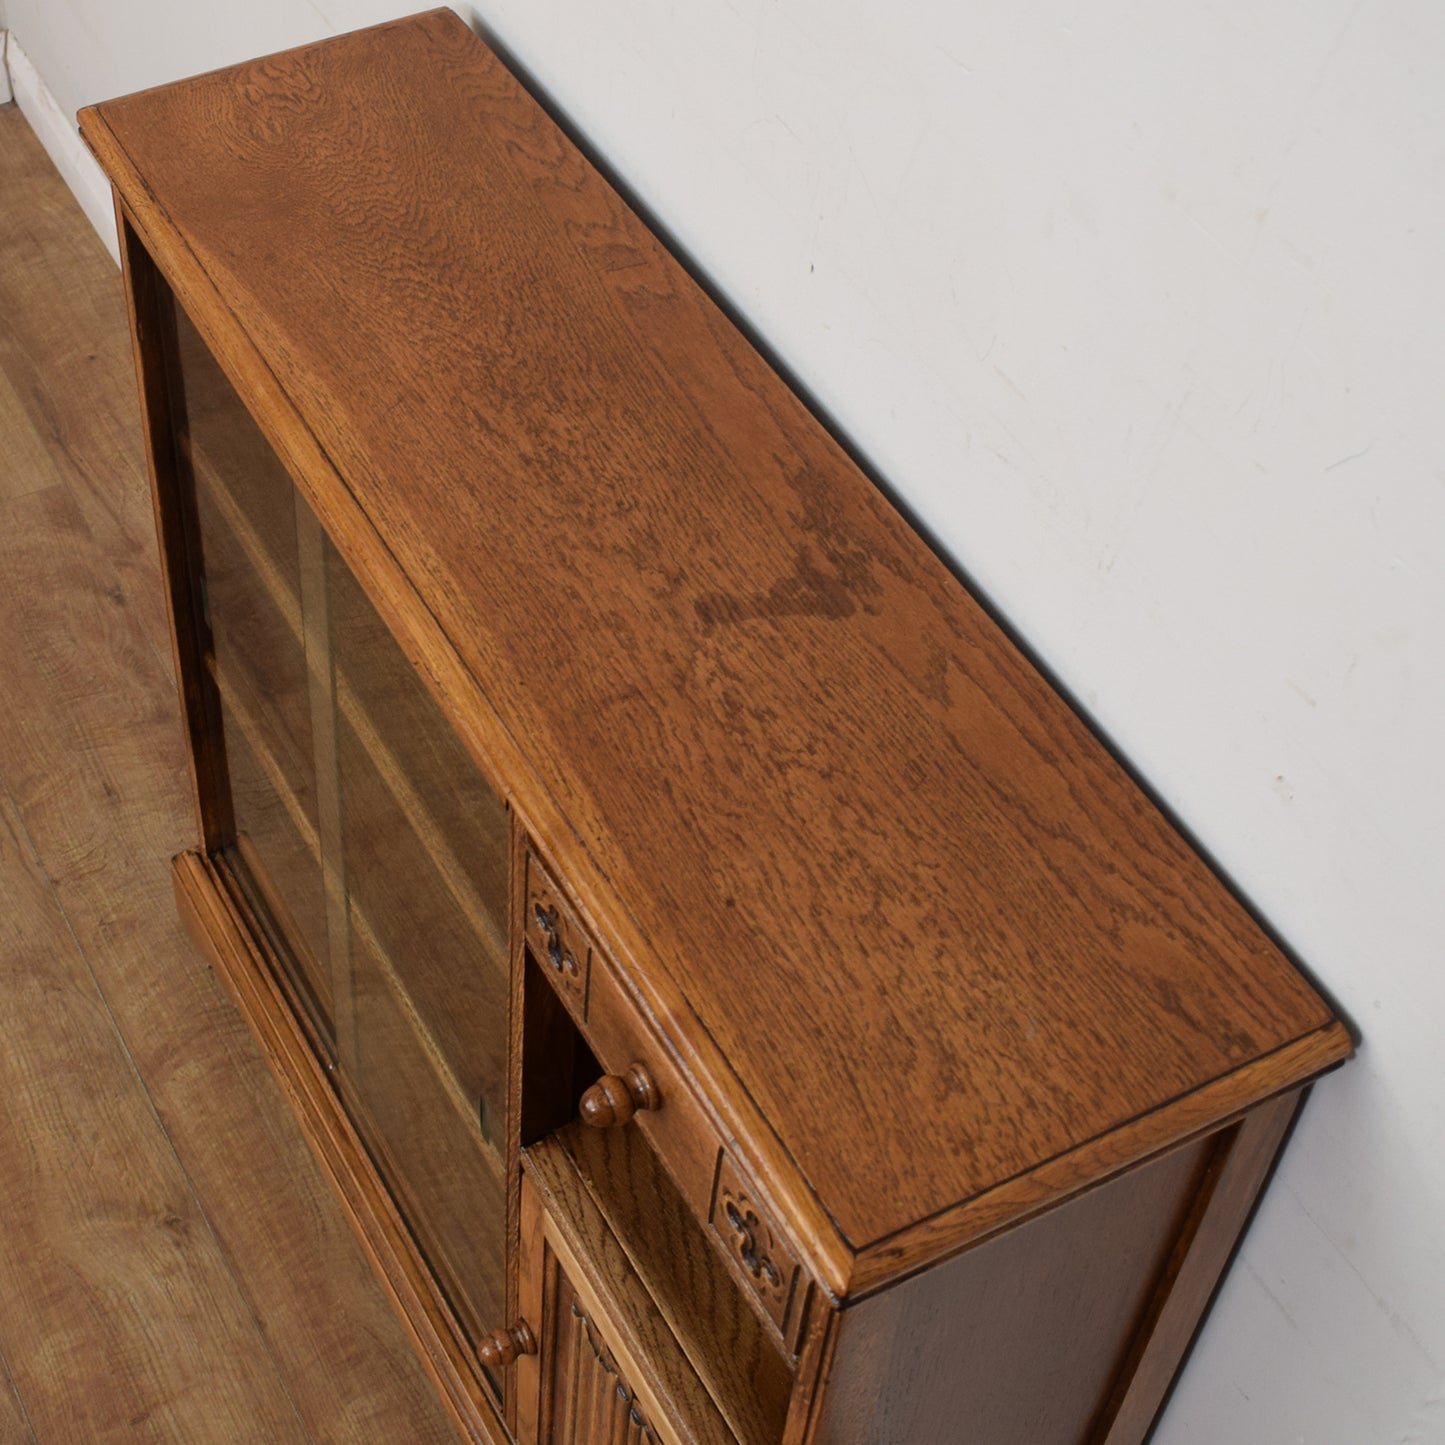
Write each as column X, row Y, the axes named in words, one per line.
column 252, row 559
column 425, row 843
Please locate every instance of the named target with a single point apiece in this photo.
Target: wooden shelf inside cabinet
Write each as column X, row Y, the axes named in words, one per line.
column 488, row 539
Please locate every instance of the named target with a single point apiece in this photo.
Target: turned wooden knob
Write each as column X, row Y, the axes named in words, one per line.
column 613, row 1100
column 501, row 1347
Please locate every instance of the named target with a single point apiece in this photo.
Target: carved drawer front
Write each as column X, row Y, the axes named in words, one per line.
column 558, row 941
column 760, row 1256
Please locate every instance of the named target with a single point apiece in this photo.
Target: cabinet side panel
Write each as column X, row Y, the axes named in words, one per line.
column 162, row 406
column 1199, row 1259
column 1019, row 1340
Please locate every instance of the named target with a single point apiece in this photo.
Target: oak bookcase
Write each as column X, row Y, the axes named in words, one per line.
column 734, row 996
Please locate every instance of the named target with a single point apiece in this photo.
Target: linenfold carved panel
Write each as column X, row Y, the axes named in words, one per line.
column 593, row 1404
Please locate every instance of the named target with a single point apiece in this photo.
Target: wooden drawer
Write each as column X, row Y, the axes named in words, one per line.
column 646, row 1087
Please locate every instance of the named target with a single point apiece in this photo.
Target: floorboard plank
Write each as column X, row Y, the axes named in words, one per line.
column 25, row 461
column 65, row 360
column 107, row 1257
column 90, row 749
column 92, row 756
column 14, row 1423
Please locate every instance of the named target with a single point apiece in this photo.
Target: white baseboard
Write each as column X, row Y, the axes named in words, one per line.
column 57, row 133
column 6, row 94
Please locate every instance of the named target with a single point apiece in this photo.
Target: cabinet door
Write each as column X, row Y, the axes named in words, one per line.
column 270, row 723
column 573, row 1390
column 368, row 843
column 419, row 952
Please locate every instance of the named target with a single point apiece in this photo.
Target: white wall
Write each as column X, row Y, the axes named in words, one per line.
column 1142, row 309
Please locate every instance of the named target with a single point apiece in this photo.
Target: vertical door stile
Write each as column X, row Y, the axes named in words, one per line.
column 151, row 311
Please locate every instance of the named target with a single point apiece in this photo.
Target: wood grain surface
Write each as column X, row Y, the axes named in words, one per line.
column 106, row 1246
column 67, row 398
column 28, row 465
column 1202, row 1251
column 160, row 1204
column 1021, row 1337
column 14, row 1422
column 776, row 747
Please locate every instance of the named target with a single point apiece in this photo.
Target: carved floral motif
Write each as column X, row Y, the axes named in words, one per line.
column 549, row 923
column 763, row 1258
column 749, row 1228
column 559, row 943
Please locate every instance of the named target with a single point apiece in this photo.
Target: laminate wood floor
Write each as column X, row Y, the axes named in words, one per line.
column 173, row 1266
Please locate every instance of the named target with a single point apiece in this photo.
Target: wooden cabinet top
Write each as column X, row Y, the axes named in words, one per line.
column 924, row 944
